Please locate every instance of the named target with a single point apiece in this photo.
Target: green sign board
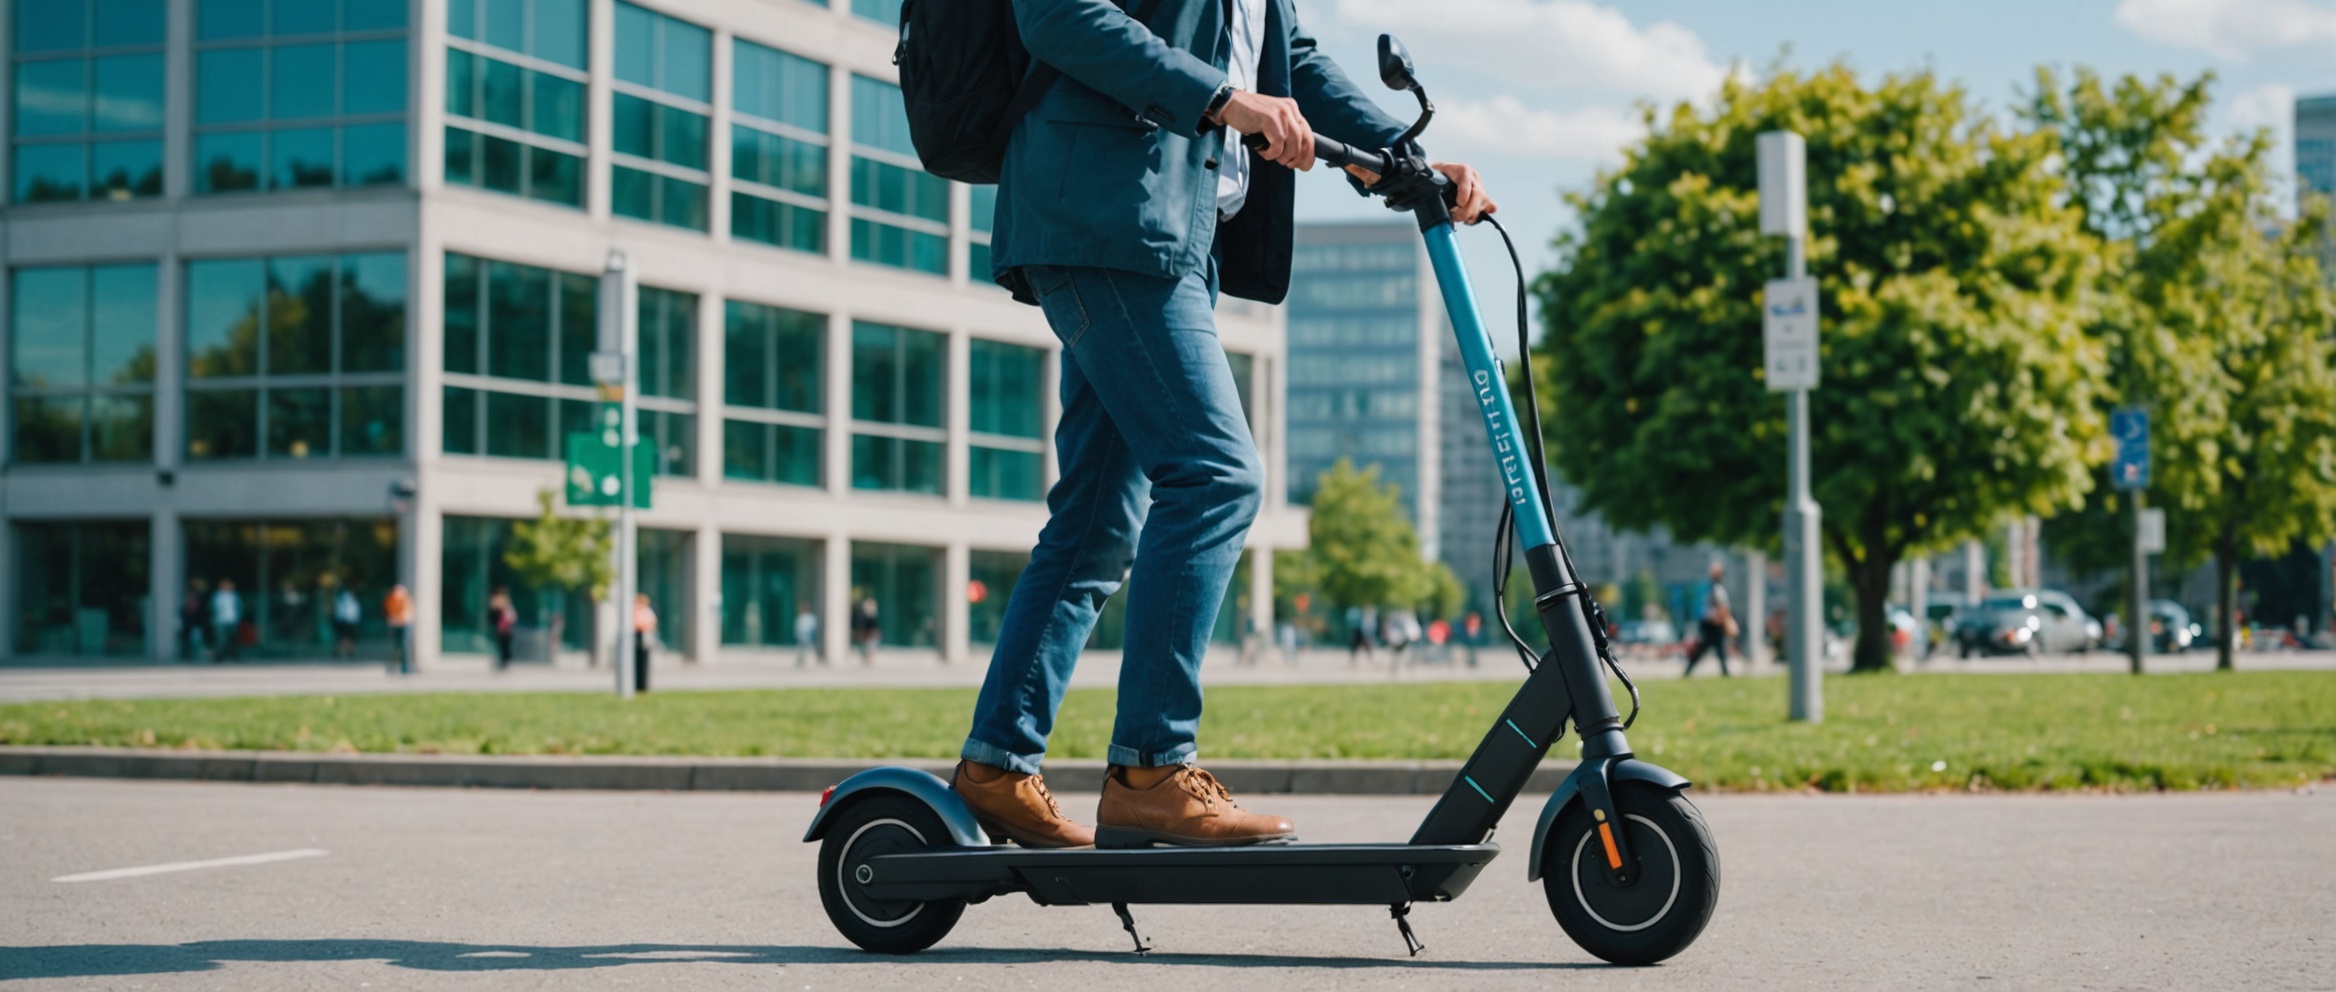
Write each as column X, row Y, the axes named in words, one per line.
column 594, row 473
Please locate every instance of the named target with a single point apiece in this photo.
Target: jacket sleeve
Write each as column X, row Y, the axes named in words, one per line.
column 1097, row 43
column 1331, row 101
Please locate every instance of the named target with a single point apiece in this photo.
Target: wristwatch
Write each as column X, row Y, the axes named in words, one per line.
column 1217, row 103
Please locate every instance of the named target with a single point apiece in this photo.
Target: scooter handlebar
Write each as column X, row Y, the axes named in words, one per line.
column 1333, row 152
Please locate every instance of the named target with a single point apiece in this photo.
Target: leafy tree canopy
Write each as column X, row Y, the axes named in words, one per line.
column 1957, row 282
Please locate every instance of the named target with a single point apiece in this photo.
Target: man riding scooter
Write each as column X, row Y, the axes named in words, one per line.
column 1126, row 202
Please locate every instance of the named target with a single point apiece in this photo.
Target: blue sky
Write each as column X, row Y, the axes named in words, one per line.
column 1540, row 93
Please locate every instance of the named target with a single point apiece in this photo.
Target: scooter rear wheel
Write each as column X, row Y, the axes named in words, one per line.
column 1664, row 908
column 885, row 823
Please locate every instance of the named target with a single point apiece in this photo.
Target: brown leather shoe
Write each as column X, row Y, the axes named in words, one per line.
column 1016, row 806
column 1187, row 808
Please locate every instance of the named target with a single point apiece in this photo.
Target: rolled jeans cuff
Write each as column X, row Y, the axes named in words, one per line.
column 991, row 754
column 1128, row 757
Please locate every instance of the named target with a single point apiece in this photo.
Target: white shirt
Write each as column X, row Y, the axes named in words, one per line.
column 1248, row 31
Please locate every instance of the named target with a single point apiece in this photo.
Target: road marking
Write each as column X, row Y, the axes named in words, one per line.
column 248, row 859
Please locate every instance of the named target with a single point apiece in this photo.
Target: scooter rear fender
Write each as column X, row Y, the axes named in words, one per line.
column 1625, row 770
column 921, row 785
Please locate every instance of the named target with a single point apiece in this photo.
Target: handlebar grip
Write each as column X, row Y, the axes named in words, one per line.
column 1332, row 152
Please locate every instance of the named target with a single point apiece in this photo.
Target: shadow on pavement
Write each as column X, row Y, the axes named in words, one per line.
column 90, row 960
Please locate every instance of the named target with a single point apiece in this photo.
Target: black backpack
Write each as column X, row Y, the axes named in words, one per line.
column 967, row 80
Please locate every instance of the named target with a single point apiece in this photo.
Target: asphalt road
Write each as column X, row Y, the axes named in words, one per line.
column 439, row 889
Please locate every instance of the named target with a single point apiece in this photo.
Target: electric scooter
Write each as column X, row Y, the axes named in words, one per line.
column 1627, row 863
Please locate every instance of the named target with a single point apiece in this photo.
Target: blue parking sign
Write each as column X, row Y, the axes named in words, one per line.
column 2129, row 427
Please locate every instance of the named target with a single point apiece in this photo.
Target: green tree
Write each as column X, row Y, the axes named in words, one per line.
column 1958, row 380
column 569, row 554
column 2136, row 158
column 1364, row 550
column 2215, row 318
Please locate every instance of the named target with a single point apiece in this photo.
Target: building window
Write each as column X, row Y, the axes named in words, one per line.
column 283, row 578
column 982, row 211
column 900, row 584
column 667, row 325
column 778, row 148
column 768, row 583
column 1006, row 459
column 515, row 76
column 81, row 361
column 990, row 578
column 294, row 95
column 881, row 11
column 472, row 568
column 659, row 112
column 81, row 588
column 772, row 426
column 897, row 437
column 88, row 82
column 296, row 356
column 900, row 212
column 519, row 343
column 2315, row 164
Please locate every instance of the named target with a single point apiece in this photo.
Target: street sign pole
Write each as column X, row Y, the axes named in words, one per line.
column 1784, row 211
column 617, row 337
column 2137, row 604
column 2129, row 471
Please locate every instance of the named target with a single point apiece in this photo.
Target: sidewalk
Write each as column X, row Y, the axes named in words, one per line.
column 920, row 670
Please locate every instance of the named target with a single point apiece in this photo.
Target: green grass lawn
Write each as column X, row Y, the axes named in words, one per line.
column 1882, row 733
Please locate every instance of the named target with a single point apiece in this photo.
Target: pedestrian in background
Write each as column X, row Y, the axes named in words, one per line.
column 194, row 619
column 1472, row 632
column 397, row 609
column 806, row 634
column 866, row 630
column 1715, row 623
column 226, row 617
column 644, row 628
column 506, row 621
column 346, row 614
column 1364, row 618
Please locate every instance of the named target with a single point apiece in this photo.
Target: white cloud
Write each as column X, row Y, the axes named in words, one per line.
column 2230, row 29
column 1548, row 43
column 1504, row 125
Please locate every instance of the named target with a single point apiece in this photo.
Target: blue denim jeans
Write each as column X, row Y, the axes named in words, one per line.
column 1158, row 470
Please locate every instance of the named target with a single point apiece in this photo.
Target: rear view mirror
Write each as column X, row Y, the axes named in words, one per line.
column 1395, row 64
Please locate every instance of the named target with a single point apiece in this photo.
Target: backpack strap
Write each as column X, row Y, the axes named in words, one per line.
column 1041, row 79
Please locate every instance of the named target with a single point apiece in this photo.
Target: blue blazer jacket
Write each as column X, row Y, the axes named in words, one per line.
column 1116, row 166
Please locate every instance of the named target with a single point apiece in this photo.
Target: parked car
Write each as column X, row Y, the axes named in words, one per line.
column 2171, row 631
column 2026, row 621
column 1644, row 637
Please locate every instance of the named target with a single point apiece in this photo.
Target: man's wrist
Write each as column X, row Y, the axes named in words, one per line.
column 1217, row 104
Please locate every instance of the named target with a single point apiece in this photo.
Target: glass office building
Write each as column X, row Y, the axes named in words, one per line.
column 300, row 297
column 1374, row 377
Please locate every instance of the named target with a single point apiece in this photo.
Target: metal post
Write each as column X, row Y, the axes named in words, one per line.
column 618, row 333
column 1754, row 619
column 2137, row 599
column 1803, row 547
column 1918, row 603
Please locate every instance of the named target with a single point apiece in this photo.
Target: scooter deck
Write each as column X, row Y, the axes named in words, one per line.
column 1319, row 874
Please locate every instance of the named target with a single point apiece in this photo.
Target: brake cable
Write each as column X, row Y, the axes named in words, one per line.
column 1505, row 533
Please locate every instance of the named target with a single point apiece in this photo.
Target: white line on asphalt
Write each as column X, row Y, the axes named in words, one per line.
column 248, row 859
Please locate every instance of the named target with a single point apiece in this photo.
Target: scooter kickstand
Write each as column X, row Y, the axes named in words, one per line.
column 1402, row 914
column 1127, row 922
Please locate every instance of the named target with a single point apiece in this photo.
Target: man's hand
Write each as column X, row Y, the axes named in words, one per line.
column 1473, row 203
column 1288, row 140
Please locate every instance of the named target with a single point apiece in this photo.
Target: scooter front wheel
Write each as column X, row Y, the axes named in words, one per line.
column 1669, row 898
column 885, row 823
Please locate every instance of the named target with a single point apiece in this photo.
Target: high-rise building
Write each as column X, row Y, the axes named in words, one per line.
column 2315, row 159
column 1374, row 377
column 301, row 295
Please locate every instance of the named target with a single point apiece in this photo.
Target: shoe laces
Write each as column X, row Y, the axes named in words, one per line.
column 1206, row 786
column 1039, row 782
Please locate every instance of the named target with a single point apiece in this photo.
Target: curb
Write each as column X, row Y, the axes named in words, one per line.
column 685, row 774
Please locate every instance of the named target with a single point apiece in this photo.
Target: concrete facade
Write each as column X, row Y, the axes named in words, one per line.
column 425, row 218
